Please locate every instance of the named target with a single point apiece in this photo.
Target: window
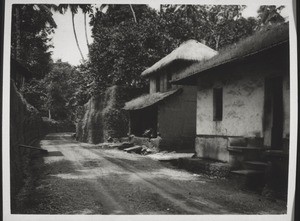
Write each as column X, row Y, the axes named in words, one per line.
column 169, row 78
column 157, row 83
column 218, row 103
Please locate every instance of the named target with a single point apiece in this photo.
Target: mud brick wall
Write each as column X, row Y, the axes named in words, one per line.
column 26, row 127
column 103, row 116
column 244, row 110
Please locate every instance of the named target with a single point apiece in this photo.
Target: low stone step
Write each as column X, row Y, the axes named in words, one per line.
column 135, row 149
column 255, row 165
column 253, row 180
column 247, row 172
column 123, row 145
column 242, row 148
column 276, row 153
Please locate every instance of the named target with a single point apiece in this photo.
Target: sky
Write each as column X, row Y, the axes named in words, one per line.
column 64, row 41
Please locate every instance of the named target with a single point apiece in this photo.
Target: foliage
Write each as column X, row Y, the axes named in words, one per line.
column 61, row 91
column 122, row 48
column 31, row 27
column 270, row 14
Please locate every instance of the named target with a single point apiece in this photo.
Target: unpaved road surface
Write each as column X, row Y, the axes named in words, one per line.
column 79, row 178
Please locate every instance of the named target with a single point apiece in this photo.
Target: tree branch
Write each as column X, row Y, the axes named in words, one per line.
column 133, row 13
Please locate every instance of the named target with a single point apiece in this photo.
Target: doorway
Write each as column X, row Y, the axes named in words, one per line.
column 142, row 120
column 273, row 113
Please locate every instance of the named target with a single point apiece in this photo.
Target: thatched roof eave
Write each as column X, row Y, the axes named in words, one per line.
column 148, row 100
column 189, row 52
column 190, row 74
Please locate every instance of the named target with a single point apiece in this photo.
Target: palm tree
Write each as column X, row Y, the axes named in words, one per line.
column 133, row 13
column 86, row 9
column 62, row 8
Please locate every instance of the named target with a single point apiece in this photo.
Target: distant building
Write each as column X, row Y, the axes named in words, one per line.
column 168, row 109
column 243, row 103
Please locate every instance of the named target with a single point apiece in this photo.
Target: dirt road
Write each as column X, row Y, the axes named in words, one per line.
column 78, row 178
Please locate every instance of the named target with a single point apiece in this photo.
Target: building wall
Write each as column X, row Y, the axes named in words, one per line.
column 152, row 85
column 286, row 105
column 243, row 105
column 243, row 101
column 176, row 120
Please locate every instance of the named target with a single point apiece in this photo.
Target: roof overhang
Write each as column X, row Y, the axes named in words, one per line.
column 149, row 100
column 191, row 78
column 262, row 42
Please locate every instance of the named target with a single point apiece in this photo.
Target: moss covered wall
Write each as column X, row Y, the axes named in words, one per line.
column 103, row 116
column 26, row 127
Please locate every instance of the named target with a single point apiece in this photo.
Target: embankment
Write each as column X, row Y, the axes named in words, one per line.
column 103, row 116
column 26, row 127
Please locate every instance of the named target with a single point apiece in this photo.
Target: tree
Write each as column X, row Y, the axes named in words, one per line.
column 270, row 14
column 109, row 6
column 30, row 38
column 122, row 48
column 86, row 9
column 60, row 92
column 217, row 25
column 62, row 8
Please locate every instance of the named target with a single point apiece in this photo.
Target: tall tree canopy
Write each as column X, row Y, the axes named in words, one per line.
column 32, row 26
column 270, row 14
column 60, row 92
column 123, row 48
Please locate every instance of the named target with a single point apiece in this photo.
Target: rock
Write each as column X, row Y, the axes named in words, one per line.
column 135, row 149
column 123, row 145
column 106, row 145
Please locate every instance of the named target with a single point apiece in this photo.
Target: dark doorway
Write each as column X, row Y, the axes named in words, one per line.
column 142, row 120
column 273, row 120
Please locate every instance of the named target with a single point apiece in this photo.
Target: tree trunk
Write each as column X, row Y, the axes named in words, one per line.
column 49, row 114
column 133, row 13
column 217, row 42
column 85, row 31
column 18, row 34
column 75, row 35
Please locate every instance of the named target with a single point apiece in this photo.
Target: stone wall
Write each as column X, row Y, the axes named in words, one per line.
column 26, row 127
column 103, row 116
